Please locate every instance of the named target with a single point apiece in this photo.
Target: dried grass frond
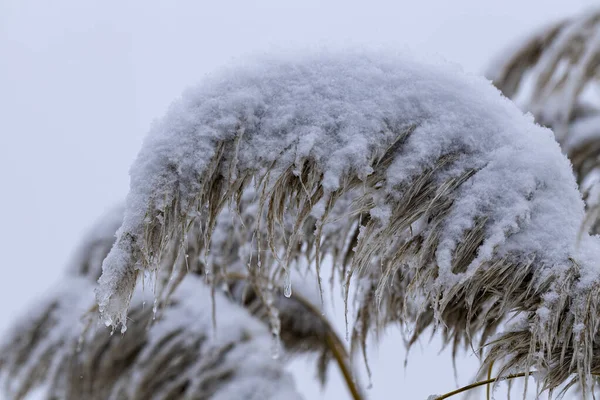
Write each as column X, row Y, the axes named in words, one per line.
column 446, row 223
column 300, row 320
column 106, row 357
column 177, row 355
column 554, row 74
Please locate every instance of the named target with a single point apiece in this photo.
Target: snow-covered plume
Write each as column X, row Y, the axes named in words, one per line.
column 178, row 355
column 421, row 181
column 173, row 352
column 554, row 75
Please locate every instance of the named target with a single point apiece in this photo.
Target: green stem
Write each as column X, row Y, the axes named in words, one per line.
column 481, row 383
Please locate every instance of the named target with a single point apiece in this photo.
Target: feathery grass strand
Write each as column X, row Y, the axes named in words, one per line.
column 460, row 209
column 76, row 359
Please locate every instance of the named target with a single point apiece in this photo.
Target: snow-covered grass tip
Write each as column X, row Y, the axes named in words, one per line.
column 424, row 183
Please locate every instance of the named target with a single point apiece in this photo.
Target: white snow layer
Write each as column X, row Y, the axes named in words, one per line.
column 341, row 111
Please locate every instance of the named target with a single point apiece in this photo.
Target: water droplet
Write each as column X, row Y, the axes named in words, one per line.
column 80, row 343
column 275, row 324
column 287, row 284
column 275, row 347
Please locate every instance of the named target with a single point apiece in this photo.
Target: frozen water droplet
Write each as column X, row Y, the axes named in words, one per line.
column 287, row 291
column 275, row 347
column 80, row 343
column 287, row 284
column 275, row 324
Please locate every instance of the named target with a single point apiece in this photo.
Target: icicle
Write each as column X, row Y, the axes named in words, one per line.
column 154, row 308
column 345, row 292
column 274, row 322
column 275, row 346
column 287, row 284
column 80, row 340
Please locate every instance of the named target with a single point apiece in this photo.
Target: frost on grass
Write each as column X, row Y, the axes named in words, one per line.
column 233, row 265
column 178, row 355
column 445, row 202
column 60, row 348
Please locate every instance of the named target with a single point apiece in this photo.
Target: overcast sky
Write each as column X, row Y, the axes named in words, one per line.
column 81, row 81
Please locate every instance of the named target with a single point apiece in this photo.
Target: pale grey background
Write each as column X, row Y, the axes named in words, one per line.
column 81, row 81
